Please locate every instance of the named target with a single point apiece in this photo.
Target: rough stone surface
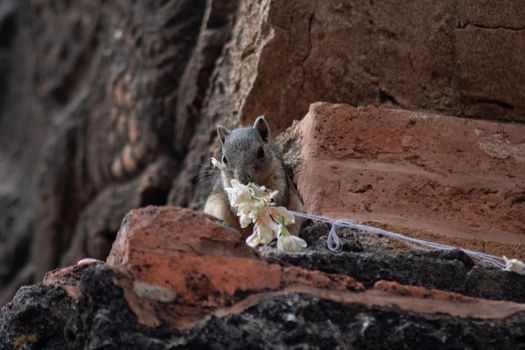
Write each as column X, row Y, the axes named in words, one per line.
column 192, row 264
column 376, row 260
column 461, row 58
column 86, row 123
column 107, row 106
column 436, row 175
column 35, row 318
column 103, row 319
column 447, row 55
column 262, row 305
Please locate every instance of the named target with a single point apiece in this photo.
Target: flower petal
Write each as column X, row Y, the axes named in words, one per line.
column 244, row 220
column 265, row 220
column 291, row 243
column 273, row 194
column 266, row 234
column 253, row 240
column 217, row 164
column 252, row 204
column 514, row 265
column 282, row 215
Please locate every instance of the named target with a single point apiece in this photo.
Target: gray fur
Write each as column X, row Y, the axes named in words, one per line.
column 222, row 132
column 261, row 126
column 240, row 148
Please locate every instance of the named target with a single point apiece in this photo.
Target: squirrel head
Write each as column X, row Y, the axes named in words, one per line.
column 247, row 152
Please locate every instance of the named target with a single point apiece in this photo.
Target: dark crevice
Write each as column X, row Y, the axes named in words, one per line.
column 518, row 200
column 363, row 189
column 309, row 51
column 154, row 196
column 483, row 26
column 104, row 241
column 492, row 118
column 64, row 89
column 7, row 30
column 219, row 15
column 199, row 69
column 385, row 97
column 501, row 104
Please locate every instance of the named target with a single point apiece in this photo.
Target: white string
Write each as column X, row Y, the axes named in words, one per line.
column 334, row 243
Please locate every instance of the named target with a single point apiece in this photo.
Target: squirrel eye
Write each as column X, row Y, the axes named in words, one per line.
column 224, row 160
column 260, row 153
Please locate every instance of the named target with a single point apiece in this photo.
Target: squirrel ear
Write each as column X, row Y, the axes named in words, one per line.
column 262, row 128
column 222, row 132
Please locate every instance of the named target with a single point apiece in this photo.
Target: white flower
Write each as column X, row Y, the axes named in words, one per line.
column 241, row 198
column 239, row 194
column 290, row 243
column 253, row 204
column 281, row 230
column 514, row 265
column 266, row 228
column 244, row 220
column 273, row 194
column 250, row 202
column 253, row 240
column 217, row 164
column 282, row 215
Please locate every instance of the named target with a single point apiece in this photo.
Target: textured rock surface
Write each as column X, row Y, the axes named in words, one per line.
column 184, row 264
column 170, row 263
column 459, row 57
column 436, row 175
column 446, row 56
column 106, row 106
column 379, row 259
column 86, row 124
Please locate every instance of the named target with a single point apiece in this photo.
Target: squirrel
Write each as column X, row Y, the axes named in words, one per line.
column 249, row 155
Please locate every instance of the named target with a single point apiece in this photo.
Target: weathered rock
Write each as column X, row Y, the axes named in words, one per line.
column 86, row 123
column 183, row 265
column 101, row 219
column 44, row 316
column 100, row 317
column 93, row 95
column 100, row 102
column 167, row 262
column 447, row 179
column 305, row 321
column 69, row 277
column 286, row 54
column 35, row 318
column 420, row 269
column 103, row 149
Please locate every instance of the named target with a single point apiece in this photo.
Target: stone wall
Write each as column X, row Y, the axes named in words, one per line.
column 110, row 105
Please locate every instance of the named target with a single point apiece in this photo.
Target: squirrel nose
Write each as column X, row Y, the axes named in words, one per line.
column 244, row 178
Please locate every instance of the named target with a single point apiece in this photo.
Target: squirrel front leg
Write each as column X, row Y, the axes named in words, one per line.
column 217, row 205
column 295, row 204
